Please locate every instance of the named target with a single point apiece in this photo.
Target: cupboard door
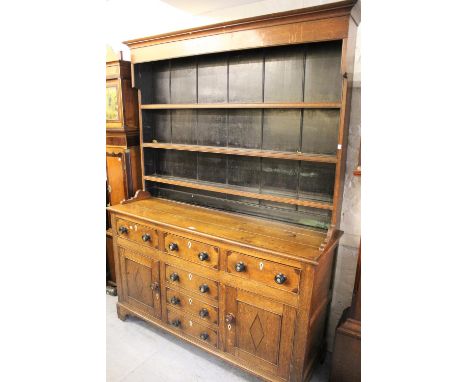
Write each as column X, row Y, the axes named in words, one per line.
column 140, row 282
column 117, row 179
column 259, row 331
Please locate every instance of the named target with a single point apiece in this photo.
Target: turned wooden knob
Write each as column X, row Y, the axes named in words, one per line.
column 155, row 286
column 280, row 278
column 203, row 256
column 204, row 313
column 174, row 300
column 240, row 267
column 229, row 318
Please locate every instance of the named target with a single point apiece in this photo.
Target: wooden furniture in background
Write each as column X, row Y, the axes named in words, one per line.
column 249, row 117
column 122, row 141
column 346, row 362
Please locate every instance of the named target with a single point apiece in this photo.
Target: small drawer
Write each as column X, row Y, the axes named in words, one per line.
column 191, row 250
column 201, row 310
column 202, row 286
column 137, row 232
column 194, row 329
column 112, row 71
column 264, row 271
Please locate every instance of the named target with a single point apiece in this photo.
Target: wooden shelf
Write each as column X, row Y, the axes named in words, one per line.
column 245, row 152
column 233, row 191
column 283, row 105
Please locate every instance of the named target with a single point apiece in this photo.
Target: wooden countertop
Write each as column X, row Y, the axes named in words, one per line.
column 282, row 239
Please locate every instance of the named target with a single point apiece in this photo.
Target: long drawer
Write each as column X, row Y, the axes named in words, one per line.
column 189, row 326
column 201, row 286
column 201, row 310
column 273, row 274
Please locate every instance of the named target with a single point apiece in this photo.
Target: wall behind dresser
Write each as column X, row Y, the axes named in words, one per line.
column 157, row 16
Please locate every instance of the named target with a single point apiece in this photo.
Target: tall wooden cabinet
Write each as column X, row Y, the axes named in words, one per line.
column 231, row 243
column 123, row 171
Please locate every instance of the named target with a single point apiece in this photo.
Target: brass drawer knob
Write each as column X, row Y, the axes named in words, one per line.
column 173, row 247
column 240, row 267
column 146, row 237
column 280, row 278
column 174, row 300
column 204, row 313
column 174, row 277
column 175, row 323
column 204, row 336
column 204, row 288
column 203, row 256
column 123, row 229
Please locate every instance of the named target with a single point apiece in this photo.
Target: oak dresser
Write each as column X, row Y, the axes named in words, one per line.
column 243, row 130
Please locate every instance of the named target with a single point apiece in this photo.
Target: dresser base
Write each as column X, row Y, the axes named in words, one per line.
column 252, row 292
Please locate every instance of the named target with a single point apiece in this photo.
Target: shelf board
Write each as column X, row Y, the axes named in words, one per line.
column 282, row 105
column 233, row 191
column 245, row 152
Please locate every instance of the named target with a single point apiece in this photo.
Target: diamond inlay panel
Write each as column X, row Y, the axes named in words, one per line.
column 256, row 332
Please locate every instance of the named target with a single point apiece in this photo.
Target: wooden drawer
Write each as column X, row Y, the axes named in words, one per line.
column 194, row 329
column 112, row 71
column 191, row 282
column 201, row 310
column 191, row 250
column 137, row 232
column 264, row 271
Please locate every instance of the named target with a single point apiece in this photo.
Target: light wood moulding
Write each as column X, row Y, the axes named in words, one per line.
column 245, row 152
column 232, row 191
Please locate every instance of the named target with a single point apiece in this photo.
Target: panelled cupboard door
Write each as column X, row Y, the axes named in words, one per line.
column 115, row 165
column 140, row 282
column 259, row 331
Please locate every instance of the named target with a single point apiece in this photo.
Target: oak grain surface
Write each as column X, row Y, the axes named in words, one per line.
column 268, row 316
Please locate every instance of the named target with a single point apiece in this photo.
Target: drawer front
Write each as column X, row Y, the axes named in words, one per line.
column 137, row 232
column 178, row 278
column 187, row 325
column 191, row 250
column 264, row 271
column 112, row 71
column 201, row 310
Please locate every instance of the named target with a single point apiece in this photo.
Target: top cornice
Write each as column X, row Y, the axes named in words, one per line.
column 317, row 12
